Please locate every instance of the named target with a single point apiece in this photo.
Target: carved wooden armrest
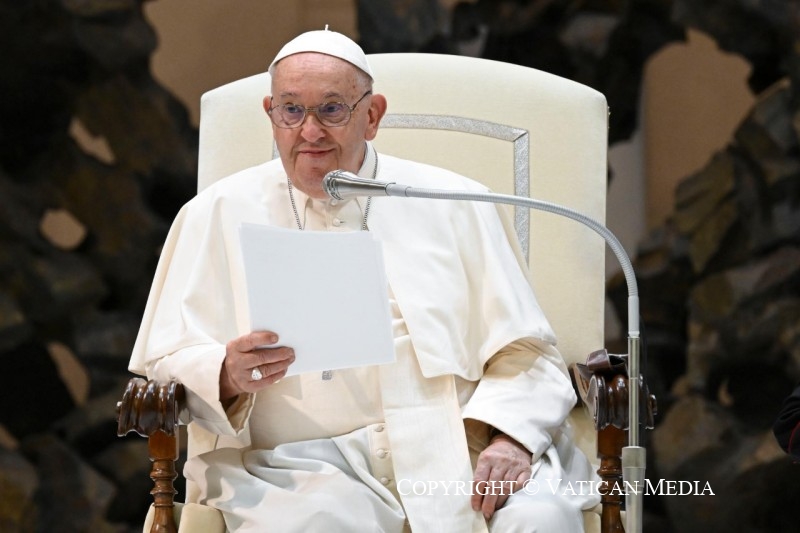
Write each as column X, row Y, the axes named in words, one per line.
column 602, row 385
column 151, row 409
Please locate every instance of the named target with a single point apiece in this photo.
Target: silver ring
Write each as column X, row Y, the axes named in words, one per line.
column 256, row 374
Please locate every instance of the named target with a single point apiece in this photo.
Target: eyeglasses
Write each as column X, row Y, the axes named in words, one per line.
column 331, row 114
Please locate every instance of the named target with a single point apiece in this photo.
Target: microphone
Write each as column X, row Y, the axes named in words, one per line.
column 340, row 185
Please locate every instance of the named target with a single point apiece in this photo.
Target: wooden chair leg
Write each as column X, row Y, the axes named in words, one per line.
column 163, row 452
column 610, row 441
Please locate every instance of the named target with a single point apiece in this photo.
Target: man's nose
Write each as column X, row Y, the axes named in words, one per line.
column 312, row 129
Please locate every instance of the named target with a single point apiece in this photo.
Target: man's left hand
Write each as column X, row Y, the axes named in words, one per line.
column 502, row 469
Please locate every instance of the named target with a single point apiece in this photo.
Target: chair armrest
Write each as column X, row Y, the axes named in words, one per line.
column 151, row 409
column 150, row 406
column 602, row 386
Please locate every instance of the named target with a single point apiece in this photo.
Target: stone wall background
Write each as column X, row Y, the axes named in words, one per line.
column 96, row 158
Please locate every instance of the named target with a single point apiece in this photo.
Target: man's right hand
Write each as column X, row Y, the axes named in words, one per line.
column 248, row 352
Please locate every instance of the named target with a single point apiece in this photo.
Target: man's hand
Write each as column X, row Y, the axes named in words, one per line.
column 246, row 353
column 502, row 469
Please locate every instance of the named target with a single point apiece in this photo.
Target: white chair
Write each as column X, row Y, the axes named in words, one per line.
column 518, row 130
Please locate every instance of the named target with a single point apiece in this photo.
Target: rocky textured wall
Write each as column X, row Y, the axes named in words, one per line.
column 95, row 159
column 720, row 287
column 81, row 224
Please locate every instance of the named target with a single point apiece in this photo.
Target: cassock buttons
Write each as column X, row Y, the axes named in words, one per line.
column 379, row 428
column 382, row 453
column 337, row 222
column 385, row 480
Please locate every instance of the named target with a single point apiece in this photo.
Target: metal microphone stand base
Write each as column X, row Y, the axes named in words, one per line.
column 634, row 459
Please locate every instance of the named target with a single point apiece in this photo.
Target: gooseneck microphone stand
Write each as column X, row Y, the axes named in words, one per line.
column 341, row 185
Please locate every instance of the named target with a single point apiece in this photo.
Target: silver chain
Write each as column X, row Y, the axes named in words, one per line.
column 294, row 206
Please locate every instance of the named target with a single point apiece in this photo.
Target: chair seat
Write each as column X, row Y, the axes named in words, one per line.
column 191, row 518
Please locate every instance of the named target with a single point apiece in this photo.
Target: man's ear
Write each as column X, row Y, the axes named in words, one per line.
column 377, row 108
column 267, row 103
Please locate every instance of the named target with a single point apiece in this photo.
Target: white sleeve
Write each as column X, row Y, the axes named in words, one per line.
column 198, row 369
column 525, row 392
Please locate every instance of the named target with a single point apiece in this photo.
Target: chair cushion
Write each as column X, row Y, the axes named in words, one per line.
column 191, row 518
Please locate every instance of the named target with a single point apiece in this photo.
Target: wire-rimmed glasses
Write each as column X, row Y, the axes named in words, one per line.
column 331, row 114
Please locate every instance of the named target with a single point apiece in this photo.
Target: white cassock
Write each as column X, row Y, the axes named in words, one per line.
column 473, row 350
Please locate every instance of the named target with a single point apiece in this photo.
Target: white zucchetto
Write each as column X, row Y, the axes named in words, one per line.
column 325, row 42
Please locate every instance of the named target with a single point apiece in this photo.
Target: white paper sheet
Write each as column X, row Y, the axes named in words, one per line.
column 324, row 293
